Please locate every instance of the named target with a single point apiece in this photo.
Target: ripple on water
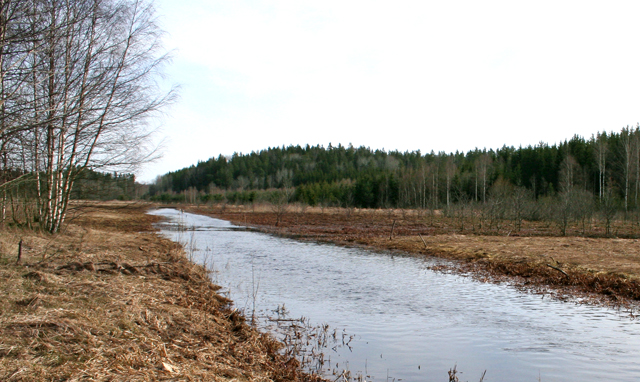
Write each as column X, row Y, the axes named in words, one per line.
column 404, row 316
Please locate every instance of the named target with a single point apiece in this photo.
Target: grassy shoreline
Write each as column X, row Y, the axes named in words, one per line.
column 109, row 299
column 598, row 270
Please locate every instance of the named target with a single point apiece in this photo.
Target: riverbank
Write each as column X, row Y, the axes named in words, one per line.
column 108, row 299
column 602, row 270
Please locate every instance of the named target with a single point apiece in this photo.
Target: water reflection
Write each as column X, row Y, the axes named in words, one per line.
column 411, row 323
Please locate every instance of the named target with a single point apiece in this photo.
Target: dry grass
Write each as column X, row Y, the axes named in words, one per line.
column 608, row 267
column 109, row 300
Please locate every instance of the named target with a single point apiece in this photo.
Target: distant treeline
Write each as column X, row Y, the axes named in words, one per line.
column 606, row 165
column 89, row 185
column 20, row 194
column 94, row 185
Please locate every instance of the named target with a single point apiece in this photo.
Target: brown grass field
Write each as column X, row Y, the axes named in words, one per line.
column 109, row 300
column 602, row 269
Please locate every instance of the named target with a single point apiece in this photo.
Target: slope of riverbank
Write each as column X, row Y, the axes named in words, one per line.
column 108, row 299
column 602, row 269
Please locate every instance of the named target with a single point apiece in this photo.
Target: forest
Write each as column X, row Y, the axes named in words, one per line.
column 571, row 180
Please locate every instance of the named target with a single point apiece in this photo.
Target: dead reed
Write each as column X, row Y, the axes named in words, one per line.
column 108, row 300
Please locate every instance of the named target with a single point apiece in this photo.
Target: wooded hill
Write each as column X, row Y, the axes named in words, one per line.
column 605, row 166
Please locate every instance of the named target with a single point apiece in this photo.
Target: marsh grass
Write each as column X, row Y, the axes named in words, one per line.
column 119, row 303
column 312, row 345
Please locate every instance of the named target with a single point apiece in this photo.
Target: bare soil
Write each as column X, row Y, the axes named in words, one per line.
column 605, row 270
column 108, row 299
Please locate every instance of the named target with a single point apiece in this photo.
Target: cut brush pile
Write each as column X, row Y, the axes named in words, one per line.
column 108, row 299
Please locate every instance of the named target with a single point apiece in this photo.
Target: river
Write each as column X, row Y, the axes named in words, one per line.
column 404, row 321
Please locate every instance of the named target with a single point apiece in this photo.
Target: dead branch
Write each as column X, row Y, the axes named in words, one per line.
column 423, row 242
column 558, row 269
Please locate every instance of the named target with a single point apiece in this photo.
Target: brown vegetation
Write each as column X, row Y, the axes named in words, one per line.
column 607, row 269
column 108, row 299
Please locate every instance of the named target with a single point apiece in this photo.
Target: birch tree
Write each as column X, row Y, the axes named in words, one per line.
column 485, row 169
column 450, row 172
column 88, row 93
column 628, row 146
column 601, row 149
column 569, row 173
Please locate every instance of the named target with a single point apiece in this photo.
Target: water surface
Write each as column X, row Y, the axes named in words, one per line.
column 411, row 323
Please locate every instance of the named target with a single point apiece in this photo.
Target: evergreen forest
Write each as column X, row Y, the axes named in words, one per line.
column 575, row 178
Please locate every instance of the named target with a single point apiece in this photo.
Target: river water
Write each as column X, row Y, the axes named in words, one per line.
column 406, row 321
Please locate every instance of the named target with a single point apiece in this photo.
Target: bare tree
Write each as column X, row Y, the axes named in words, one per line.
column 280, row 198
column 450, row 172
column 434, row 170
column 18, row 43
column 569, row 173
column 629, row 143
column 485, row 162
column 497, row 205
column 563, row 210
column 635, row 160
column 519, row 199
column 583, row 207
column 88, row 92
column 608, row 209
column 601, row 150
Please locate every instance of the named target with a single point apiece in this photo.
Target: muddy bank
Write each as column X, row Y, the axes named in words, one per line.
column 606, row 270
column 108, row 299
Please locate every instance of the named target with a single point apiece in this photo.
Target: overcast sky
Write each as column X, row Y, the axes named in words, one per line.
column 406, row 75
